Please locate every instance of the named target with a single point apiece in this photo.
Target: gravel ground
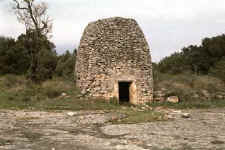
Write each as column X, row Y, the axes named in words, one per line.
column 92, row 130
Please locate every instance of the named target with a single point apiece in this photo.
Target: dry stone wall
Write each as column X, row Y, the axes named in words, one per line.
column 114, row 50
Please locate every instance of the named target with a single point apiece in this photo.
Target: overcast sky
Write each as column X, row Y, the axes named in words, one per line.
column 168, row 25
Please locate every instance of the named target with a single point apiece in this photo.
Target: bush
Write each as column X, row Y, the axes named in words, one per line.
column 186, row 86
column 65, row 65
column 47, row 66
column 21, row 57
column 13, row 57
column 218, row 70
column 173, row 64
column 197, row 59
column 52, row 93
column 55, row 87
column 11, row 80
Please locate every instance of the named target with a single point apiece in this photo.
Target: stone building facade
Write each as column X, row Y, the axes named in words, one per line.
column 113, row 60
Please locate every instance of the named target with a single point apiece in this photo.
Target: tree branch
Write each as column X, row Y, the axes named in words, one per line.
column 31, row 15
column 18, row 5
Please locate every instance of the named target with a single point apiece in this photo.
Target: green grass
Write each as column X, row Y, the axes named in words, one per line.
column 191, row 104
column 4, row 142
column 40, row 98
column 17, row 93
column 140, row 117
column 190, row 89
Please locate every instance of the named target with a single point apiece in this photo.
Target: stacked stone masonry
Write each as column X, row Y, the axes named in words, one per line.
column 111, row 51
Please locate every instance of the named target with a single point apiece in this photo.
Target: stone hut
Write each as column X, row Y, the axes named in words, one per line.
column 113, row 61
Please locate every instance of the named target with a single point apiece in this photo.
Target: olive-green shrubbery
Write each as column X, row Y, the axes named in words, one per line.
column 66, row 65
column 15, row 59
column 202, row 60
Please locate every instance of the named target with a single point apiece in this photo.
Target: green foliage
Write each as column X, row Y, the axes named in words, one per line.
column 173, row 64
column 42, row 56
column 215, row 46
column 218, row 70
column 11, row 80
column 16, row 57
column 65, row 65
column 48, row 62
column 52, row 90
column 38, row 25
column 46, row 96
column 195, row 59
column 189, row 87
column 13, row 57
column 134, row 117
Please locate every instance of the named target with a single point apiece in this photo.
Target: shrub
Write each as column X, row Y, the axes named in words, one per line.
column 218, row 70
column 52, row 93
column 188, row 86
column 10, row 81
column 65, row 65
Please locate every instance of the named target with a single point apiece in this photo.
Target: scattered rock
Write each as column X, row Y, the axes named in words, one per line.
column 143, row 108
column 168, row 117
column 205, row 93
column 219, row 96
column 203, row 130
column 180, row 113
column 63, row 94
column 177, row 111
column 172, row 99
column 195, row 96
column 186, row 115
column 71, row 114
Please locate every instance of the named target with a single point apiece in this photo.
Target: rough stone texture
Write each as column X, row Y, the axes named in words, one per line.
column 33, row 130
column 172, row 99
column 113, row 50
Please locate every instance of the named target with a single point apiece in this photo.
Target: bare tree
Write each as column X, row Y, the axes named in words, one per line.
column 33, row 16
column 38, row 26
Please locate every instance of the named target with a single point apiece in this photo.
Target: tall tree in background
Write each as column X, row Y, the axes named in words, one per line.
column 38, row 26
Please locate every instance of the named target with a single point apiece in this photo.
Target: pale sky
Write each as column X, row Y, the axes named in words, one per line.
column 168, row 25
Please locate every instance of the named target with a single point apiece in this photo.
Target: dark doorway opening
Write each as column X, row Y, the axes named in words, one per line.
column 124, row 92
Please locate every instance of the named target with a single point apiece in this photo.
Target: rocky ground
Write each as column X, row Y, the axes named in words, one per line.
column 93, row 130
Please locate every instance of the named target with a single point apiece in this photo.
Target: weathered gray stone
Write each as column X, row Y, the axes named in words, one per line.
column 114, row 50
column 93, row 130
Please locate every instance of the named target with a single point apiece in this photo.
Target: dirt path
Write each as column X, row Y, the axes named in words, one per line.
column 20, row 130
